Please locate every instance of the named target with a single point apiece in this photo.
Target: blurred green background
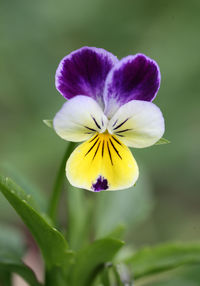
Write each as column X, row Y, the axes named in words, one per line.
column 36, row 35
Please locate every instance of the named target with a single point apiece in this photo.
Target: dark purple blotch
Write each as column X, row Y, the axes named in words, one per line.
column 100, row 185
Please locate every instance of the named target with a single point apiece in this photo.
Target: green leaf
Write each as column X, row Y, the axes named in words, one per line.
column 5, row 277
column 11, row 245
column 118, row 232
column 11, row 250
column 51, row 242
column 20, row 269
column 162, row 141
column 90, row 260
column 181, row 276
column 117, row 276
column 55, row 277
column 105, row 277
column 164, row 257
column 48, row 122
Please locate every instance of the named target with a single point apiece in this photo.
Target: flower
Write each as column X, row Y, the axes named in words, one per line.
column 109, row 107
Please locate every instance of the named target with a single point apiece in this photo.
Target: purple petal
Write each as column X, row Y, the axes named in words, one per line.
column 134, row 77
column 83, row 72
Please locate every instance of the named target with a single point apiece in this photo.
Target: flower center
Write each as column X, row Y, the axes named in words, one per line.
column 104, row 143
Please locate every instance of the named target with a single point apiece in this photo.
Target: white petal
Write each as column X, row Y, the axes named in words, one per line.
column 79, row 118
column 138, row 124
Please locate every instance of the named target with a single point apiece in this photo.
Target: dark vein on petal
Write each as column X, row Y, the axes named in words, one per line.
column 121, row 124
column 123, row 130
column 93, row 138
column 102, row 151
column 114, row 123
column 98, row 126
column 116, row 140
column 120, row 135
column 96, row 150
column 115, row 149
column 92, row 146
column 91, row 129
column 109, row 153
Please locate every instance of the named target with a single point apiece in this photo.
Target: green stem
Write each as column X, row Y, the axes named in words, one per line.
column 57, row 188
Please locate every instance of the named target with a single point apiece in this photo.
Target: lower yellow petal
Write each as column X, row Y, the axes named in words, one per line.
column 102, row 163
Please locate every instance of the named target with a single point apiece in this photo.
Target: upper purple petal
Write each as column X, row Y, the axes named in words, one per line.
column 83, row 72
column 134, row 77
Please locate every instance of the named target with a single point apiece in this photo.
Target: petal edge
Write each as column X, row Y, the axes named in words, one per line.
column 133, row 77
column 79, row 118
column 84, row 71
column 138, row 124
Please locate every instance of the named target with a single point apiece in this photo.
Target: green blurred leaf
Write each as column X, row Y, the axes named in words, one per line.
column 90, row 260
column 105, row 277
column 162, row 141
column 51, row 242
column 55, row 277
column 164, row 257
column 126, row 207
column 11, row 251
column 114, row 275
column 48, row 123
column 118, row 232
column 11, row 245
column 5, row 277
column 181, row 276
column 117, row 276
column 19, row 268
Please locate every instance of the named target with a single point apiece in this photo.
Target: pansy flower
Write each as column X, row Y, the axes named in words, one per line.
column 109, row 107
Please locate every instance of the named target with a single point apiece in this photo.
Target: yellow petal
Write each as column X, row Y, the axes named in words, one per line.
column 102, row 163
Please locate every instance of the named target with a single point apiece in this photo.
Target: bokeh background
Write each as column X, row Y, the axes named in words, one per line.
column 36, row 35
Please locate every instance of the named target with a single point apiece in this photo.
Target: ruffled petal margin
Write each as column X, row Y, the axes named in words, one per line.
column 134, row 77
column 102, row 163
column 83, row 72
column 79, row 118
column 138, row 124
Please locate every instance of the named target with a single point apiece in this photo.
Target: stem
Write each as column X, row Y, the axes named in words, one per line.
column 58, row 184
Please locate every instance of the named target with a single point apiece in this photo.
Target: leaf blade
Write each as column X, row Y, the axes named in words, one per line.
column 20, row 269
column 53, row 245
column 48, row 122
column 152, row 260
column 162, row 141
column 90, row 260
